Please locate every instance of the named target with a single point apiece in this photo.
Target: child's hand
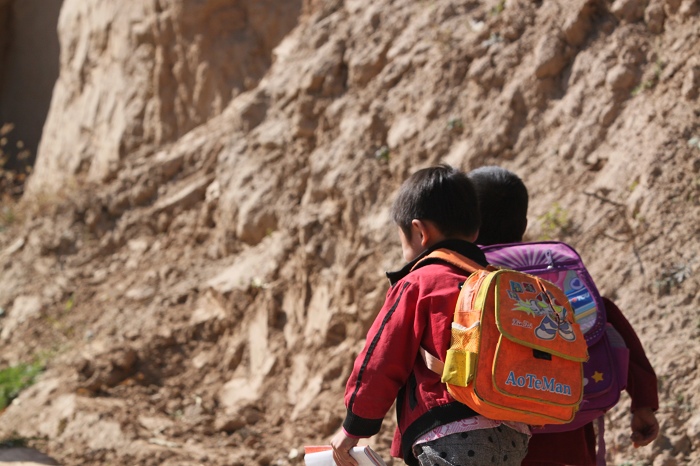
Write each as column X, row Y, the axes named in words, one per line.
column 342, row 444
column 645, row 427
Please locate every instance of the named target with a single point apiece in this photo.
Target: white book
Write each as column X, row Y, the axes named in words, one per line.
column 322, row 455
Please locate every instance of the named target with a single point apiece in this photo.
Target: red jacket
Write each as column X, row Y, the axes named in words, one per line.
column 418, row 311
column 577, row 447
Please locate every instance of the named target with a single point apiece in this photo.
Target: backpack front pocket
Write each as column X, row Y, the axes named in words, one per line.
column 524, row 372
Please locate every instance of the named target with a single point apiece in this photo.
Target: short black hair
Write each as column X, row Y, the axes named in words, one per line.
column 441, row 194
column 503, row 202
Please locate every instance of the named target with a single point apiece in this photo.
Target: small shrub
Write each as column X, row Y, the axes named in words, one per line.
column 498, row 8
column 382, row 154
column 494, row 38
column 15, row 379
column 672, row 277
column 70, row 302
column 643, row 86
column 652, row 81
column 555, row 222
column 455, row 124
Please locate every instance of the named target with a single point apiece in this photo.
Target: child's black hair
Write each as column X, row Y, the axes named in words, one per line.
column 441, row 194
column 503, row 202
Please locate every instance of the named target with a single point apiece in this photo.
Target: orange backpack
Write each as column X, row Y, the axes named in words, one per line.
column 516, row 353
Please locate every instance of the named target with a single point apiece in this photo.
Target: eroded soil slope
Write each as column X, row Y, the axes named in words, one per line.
column 200, row 299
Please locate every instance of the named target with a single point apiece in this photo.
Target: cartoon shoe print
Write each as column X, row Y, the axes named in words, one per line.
column 547, row 329
column 566, row 332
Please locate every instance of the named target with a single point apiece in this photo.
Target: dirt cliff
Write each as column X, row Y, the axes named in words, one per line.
column 202, row 245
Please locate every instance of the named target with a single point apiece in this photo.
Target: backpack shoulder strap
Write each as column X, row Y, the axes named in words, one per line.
column 458, row 260
column 451, row 257
column 431, row 362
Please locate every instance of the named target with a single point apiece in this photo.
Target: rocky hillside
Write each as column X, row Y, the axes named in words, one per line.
column 201, row 247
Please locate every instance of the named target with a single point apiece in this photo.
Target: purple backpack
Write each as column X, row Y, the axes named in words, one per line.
column 605, row 372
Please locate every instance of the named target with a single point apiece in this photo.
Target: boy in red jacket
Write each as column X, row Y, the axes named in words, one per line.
column 435, row 208
column 503, row 203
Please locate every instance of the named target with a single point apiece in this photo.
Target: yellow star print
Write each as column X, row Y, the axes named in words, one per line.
column 597, row 376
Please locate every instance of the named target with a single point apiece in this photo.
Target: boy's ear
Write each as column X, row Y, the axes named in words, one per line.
column 420, row 231
column 472, row 238
column 427, row 231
